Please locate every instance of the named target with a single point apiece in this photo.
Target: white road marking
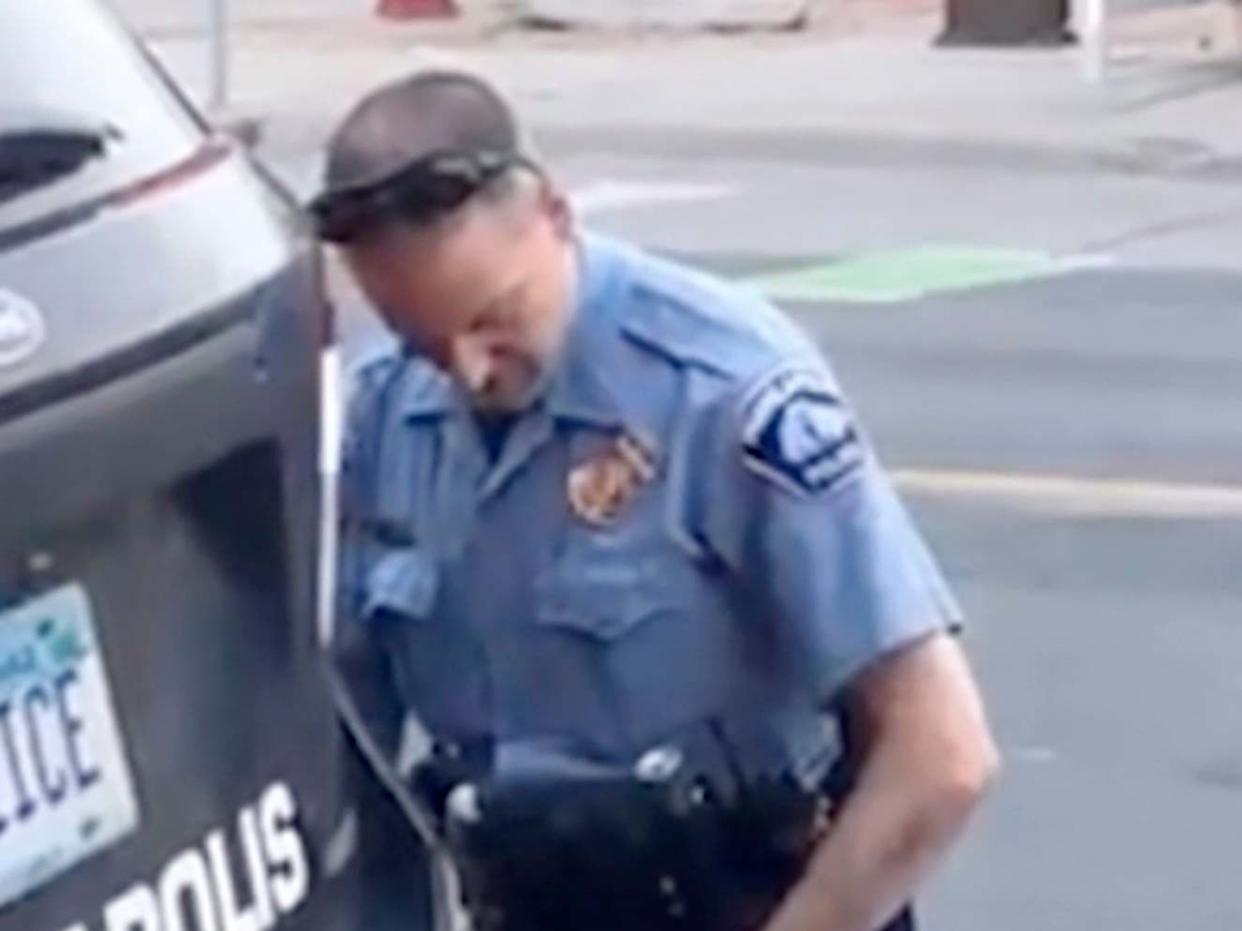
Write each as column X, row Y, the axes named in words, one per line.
column 1079, row 496
column 609, row 194
column 1040, row 755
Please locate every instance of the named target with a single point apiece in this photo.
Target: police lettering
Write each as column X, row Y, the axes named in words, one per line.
column 240, row 881
column 43, row 756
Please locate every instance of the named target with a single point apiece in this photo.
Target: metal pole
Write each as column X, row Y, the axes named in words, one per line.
column 1093, row 31
column 218, row 52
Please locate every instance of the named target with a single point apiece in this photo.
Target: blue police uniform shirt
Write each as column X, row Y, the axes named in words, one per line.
column 688, row 523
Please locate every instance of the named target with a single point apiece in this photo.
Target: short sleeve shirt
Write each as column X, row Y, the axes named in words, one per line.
column 689, row 522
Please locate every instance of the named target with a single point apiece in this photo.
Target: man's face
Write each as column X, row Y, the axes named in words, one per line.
column 484, row 295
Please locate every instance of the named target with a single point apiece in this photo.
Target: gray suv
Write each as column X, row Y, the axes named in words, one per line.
column 169, row 756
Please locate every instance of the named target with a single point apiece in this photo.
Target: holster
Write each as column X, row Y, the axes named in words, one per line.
column 707, row 832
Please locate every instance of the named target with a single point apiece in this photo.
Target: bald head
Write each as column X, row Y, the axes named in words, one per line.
column 403, row 121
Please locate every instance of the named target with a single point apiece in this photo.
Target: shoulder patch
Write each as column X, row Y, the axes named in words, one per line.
column 798, row 433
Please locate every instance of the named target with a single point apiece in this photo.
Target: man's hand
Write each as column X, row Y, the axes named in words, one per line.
column 927, row 760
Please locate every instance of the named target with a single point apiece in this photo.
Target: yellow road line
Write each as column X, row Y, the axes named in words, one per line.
column 1085, row 496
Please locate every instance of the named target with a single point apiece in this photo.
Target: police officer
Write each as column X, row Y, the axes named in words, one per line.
column 595, row 502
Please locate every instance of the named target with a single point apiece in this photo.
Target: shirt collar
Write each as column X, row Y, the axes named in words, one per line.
column 426, row 392
column 585, row 388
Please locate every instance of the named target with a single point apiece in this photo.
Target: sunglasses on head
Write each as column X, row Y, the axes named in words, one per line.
column 429, row 187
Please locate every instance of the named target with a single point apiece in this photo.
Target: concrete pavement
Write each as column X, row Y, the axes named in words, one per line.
column 864, row 81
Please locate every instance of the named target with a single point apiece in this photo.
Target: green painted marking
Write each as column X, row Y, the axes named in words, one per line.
column 892, row 276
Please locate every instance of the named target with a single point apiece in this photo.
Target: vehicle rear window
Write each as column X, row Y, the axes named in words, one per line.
column 71, row 58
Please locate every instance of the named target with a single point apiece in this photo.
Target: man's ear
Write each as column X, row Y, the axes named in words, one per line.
column 556, row 205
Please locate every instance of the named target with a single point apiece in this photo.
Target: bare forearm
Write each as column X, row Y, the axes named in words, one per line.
column 927, row 762
column 885, row 843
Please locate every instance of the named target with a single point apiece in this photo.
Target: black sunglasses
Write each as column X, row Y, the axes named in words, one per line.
column 427, row 188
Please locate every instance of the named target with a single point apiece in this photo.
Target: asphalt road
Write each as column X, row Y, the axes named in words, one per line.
column 1108, row 631
column 1073, row 448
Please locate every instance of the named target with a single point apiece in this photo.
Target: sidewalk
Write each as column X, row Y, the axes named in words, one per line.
column 864, row 84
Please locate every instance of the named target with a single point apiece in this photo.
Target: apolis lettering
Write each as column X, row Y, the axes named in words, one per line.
column 241, row 878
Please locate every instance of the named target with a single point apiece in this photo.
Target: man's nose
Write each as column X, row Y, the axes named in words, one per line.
column 472, row 364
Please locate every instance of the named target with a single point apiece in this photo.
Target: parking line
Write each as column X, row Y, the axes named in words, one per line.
column 896, row 276
column 607, row 195
column 1079, row 496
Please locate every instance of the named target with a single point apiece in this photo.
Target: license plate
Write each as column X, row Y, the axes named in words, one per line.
column 65, row 786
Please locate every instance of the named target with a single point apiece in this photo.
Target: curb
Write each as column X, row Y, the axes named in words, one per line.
column 1163, row 158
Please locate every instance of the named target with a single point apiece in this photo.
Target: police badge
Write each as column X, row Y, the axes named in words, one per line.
column 600, row 488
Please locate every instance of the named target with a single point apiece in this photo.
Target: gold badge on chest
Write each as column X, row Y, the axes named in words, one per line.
column 601, row 488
